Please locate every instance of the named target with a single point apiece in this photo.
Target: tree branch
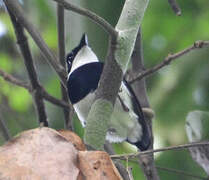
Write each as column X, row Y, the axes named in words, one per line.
column 92, row 16
column 175, row 171
column 25, row 50
column 115, row 64
column 180, row 172
column 54, row 100
column 175, row 7
column 18, row 12
column 68, row 112
column 178, row 147
column 139, row 87
column 169, row 59
column 4, row 130
column 11, row 79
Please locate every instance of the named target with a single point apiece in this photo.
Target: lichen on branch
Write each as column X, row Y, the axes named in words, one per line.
column 119, row 54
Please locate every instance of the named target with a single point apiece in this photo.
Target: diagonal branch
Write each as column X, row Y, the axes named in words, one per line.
column 179, row 147
column 18, row 12
column 30, row 67
column 175, row 171
column 54, row 100
column 169, row 59
column 92, row 16
column 180, row 172
column 11, row 79
column 174, row 5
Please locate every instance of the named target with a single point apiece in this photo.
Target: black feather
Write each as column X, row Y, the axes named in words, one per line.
column 146, row 136
column 81, row 83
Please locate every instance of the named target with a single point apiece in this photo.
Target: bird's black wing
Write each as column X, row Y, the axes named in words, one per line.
column 84, row 80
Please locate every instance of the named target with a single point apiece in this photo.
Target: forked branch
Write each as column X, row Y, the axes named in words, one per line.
column 18, row 12
column 13, row 80
column 30, row 67
column 92, row 16
column 169, row 59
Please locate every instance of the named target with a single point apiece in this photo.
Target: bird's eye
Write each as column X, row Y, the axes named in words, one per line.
column 69, row 58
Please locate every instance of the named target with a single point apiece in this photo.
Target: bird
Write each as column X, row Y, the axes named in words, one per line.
column 127, row 121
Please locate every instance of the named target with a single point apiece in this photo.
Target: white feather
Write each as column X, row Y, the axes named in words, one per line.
column 84, row 56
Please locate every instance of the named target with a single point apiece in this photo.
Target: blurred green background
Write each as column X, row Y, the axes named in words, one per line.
column 175, row 90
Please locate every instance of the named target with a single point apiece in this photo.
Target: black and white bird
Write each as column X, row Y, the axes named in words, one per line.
column 127, row 121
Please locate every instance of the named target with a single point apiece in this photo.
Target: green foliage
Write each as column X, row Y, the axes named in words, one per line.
column 19, row 100
column 5, row 64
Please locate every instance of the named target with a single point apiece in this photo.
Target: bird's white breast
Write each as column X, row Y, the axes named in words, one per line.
column 82, row 107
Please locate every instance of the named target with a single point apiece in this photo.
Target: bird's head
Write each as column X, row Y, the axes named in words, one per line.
column 72, row 55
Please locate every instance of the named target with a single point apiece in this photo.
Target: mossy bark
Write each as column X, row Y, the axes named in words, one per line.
column 119, row 54
column 97, row 124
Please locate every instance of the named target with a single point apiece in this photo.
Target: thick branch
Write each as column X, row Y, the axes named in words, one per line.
column 174, row 5
column 61, row 45
column 116, row 63
column 18, row 12
column 127, row 27
column 169, row 59
column 25, row 50
column 179, row 147
column 92, row 16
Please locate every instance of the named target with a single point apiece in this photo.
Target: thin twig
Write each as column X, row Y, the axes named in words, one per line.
column 169, row 59
column 122, row 170
column 180, row 172
column 61, row 45
column 129, row 170
column 13, row 80
column 176, row 171
column 54, row 100
column 4, row 130
column 92, row 16
column 18, row 12
column 174, row 5
column 9, row 78
column 179, row 147
column 30, row 67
